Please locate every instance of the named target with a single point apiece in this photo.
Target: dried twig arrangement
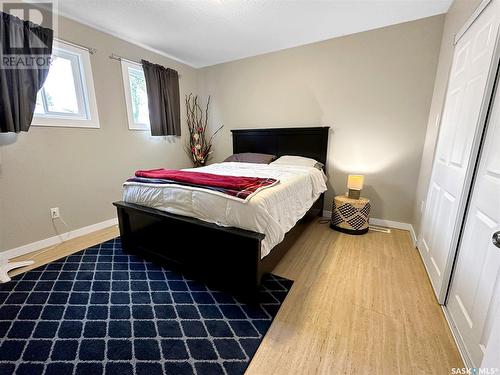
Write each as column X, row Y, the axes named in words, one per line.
column 199, row 148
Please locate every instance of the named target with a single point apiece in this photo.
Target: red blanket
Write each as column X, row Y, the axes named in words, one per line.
column 240, row 187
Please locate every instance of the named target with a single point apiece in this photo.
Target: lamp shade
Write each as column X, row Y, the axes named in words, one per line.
column 355, row 182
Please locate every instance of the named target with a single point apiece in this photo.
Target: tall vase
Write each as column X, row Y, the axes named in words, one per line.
column 199, row 163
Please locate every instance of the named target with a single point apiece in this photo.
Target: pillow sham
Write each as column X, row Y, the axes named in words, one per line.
column 251, row 157
column 298, row 160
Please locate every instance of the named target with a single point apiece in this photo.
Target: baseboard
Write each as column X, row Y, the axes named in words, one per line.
column 458, row 340
column 388, row 224
column 396, row 225
column 38, row 245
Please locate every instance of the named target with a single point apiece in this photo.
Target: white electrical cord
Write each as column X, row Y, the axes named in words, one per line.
column 35, row 254
column 67, row 229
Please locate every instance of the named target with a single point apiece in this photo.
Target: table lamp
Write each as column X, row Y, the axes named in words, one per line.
column 355, row 185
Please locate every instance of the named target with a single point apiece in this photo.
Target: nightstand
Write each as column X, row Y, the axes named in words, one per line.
column 350, row 215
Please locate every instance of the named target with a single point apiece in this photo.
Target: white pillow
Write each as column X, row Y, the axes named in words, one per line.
column 295, row 160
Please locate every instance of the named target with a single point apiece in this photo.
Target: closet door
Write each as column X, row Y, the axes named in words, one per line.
column 467, row 98
column 492, row 356
column 474, row 294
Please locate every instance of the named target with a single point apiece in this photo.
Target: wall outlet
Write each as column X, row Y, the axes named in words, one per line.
column 422, row 207
column 54, row 213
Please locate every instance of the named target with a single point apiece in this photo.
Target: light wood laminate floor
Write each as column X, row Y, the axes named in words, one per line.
column 359, row 305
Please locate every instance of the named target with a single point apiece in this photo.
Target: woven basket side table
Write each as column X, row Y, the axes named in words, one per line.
column 350, row 215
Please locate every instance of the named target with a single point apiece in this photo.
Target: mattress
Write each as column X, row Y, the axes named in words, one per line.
column 273, row 211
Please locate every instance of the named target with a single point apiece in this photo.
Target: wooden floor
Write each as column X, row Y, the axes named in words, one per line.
column 66, row 248
column 359, row 305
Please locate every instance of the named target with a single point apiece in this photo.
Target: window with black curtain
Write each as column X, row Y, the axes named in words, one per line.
column 162, row 85
column 26, row 49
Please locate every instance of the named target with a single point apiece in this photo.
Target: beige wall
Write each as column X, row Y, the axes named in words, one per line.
column 81, row 170
column 456, row 17
column 373, row 88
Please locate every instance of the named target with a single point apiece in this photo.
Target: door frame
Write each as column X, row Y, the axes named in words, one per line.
column 473, row 157
column 477, row 12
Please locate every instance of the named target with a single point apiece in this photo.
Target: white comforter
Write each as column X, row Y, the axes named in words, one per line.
column 272, row 211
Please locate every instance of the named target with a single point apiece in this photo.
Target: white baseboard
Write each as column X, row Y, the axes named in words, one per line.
column 388, row 224
column 38, row 245
column 396, row 225
column 457, row 338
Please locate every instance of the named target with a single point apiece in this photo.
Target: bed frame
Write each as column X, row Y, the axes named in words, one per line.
column 228, row 258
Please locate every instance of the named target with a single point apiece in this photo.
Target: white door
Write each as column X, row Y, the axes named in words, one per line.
column 492, row 356
column 475, row 287
column 467, row 98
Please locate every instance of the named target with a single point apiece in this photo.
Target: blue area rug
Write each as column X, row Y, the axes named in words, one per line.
column 103, row 311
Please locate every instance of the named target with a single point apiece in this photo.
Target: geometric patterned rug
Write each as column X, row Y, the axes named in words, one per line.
column 103, row 311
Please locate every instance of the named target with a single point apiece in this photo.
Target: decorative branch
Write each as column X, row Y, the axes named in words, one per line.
column 198, row 148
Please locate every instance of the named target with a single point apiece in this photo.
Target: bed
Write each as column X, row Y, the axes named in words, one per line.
column 207, row 235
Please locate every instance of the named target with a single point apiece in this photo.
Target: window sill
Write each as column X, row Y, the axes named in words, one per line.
column 55, row 122
column 138, row 128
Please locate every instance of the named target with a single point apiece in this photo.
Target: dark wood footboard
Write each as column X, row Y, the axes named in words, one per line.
column 228, row 258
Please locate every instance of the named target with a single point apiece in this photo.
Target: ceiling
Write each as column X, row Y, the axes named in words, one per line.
column 207, row 32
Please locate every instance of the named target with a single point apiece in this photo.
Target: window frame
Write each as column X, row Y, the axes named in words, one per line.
column 132, row 125
column 84, row 84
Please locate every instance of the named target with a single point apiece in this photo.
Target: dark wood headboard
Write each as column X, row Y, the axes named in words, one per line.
column 307, row 142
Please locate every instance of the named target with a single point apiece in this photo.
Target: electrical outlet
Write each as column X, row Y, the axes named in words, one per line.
column 422, row 207
column 54, row 213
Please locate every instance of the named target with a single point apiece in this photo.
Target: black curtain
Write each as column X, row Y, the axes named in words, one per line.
column 162, row 86
column 26, row 50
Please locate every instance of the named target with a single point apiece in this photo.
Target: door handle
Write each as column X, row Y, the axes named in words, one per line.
column 496, row 239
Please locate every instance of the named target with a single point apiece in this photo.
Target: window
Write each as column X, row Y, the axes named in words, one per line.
column 67, row 97
column 136, row 96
